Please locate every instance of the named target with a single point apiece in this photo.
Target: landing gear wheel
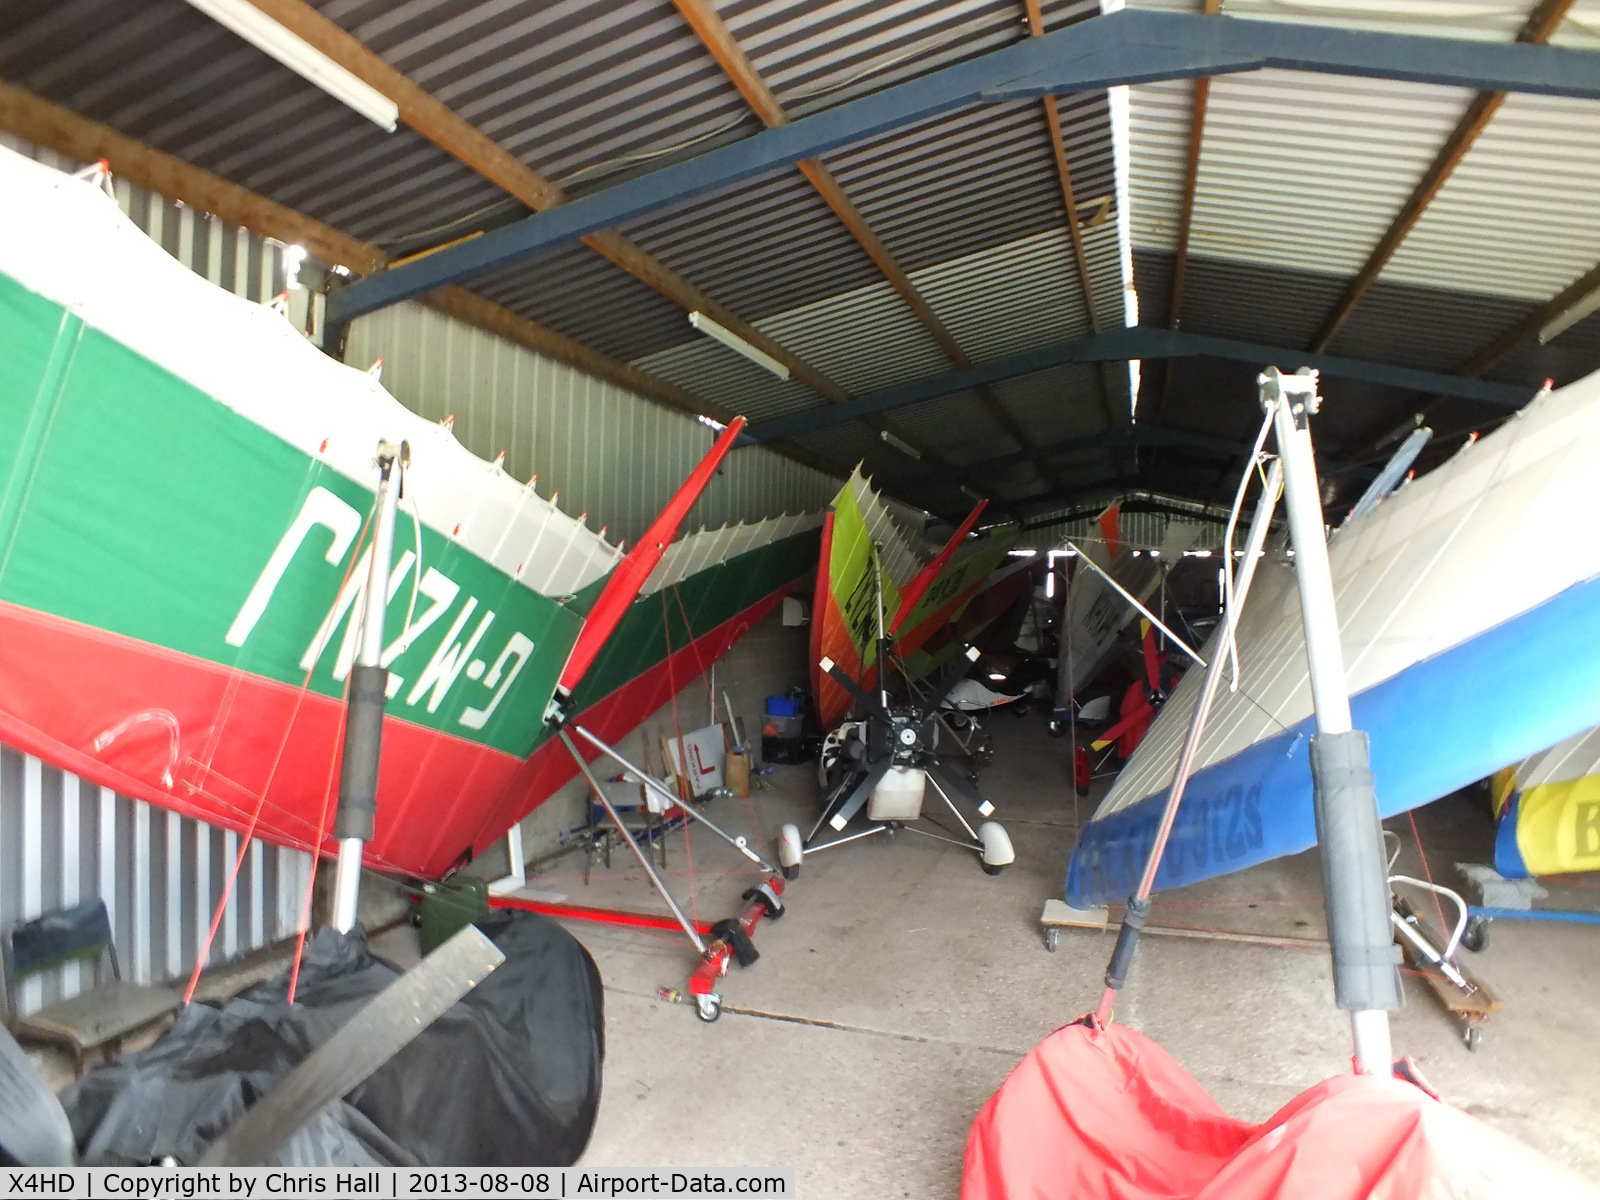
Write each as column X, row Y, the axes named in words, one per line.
column 997, row 853
column 1476, row 935
column 1472, row 1036
column 790, row 851
column 708, row 1008
column 1052, row 938
column 1058, row 729
column 1020, row 708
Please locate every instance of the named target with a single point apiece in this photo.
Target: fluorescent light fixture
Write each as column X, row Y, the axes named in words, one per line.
column 1565, row 320
column 737, row 344
column 293, row 258
column 304, row 59
column 902, row 445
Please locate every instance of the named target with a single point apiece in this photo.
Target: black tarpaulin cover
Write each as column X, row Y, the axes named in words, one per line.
column 510, row 1076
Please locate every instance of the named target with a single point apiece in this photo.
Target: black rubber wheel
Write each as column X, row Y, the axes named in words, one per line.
column 1472, row 1035
column 790, row 872
column 990, row 868
column 1058, row 729
column 708, row 1012
column 1476, row 935
column 1020, row 708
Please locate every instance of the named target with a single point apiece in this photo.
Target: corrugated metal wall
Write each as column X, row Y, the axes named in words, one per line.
column 608, row 452
column 64, row 840
column 1138, row 529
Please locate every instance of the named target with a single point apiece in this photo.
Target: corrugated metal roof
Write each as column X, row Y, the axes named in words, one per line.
column 576, row 292
column 1009, row 298
column 565, row 86
column 954, row 427
column 1304, row 171
column 1057, row 404
column 761, row 247
column 966, row 182
column 1299, row 177
column 813, row 53
column 1519, row 217
column 164, row 73
column 864, row 340
column 713, row 371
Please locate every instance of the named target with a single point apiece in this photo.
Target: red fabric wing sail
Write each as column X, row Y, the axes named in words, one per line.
column 914, row 590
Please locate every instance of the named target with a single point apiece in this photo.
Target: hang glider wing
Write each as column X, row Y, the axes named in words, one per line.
column 1094, row 612
column 1456, row 666
column 1548, row 807
column 188, row 641
column 866, row 561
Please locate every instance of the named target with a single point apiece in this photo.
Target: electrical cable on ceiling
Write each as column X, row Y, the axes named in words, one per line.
column 804, row 93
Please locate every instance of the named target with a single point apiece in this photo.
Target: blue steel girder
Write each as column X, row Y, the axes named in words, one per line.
column 1127, row 437
column 1141, row 342
column 1129, row 46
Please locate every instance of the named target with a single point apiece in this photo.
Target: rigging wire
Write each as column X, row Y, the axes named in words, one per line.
column 683, row 755
column 255, row 816
column 1231, row 644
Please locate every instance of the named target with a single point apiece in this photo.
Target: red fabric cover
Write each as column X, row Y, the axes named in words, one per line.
column 1096, row 1113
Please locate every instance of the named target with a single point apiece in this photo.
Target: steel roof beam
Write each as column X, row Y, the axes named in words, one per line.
column 1141, row 342
column 421, row 111
column 1126, row 47
column 1069, row 200
column 1536, row 30
column 1142, row 503
column 709, row 26
column 1191, row 181
column 1127, row 437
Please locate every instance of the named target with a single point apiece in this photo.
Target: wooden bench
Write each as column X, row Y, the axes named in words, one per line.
column 100, row 1016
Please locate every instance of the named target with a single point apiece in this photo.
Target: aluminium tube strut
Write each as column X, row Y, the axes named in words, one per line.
column 644, row 860
column 1138, row 606
column 1138, row 908
column 738, row 843
column 1355, row 879
column 369, row 692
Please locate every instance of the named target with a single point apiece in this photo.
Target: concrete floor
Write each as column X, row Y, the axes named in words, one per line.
column 904, row 984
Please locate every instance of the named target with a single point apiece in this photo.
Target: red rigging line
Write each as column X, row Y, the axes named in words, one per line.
column 623, row 587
